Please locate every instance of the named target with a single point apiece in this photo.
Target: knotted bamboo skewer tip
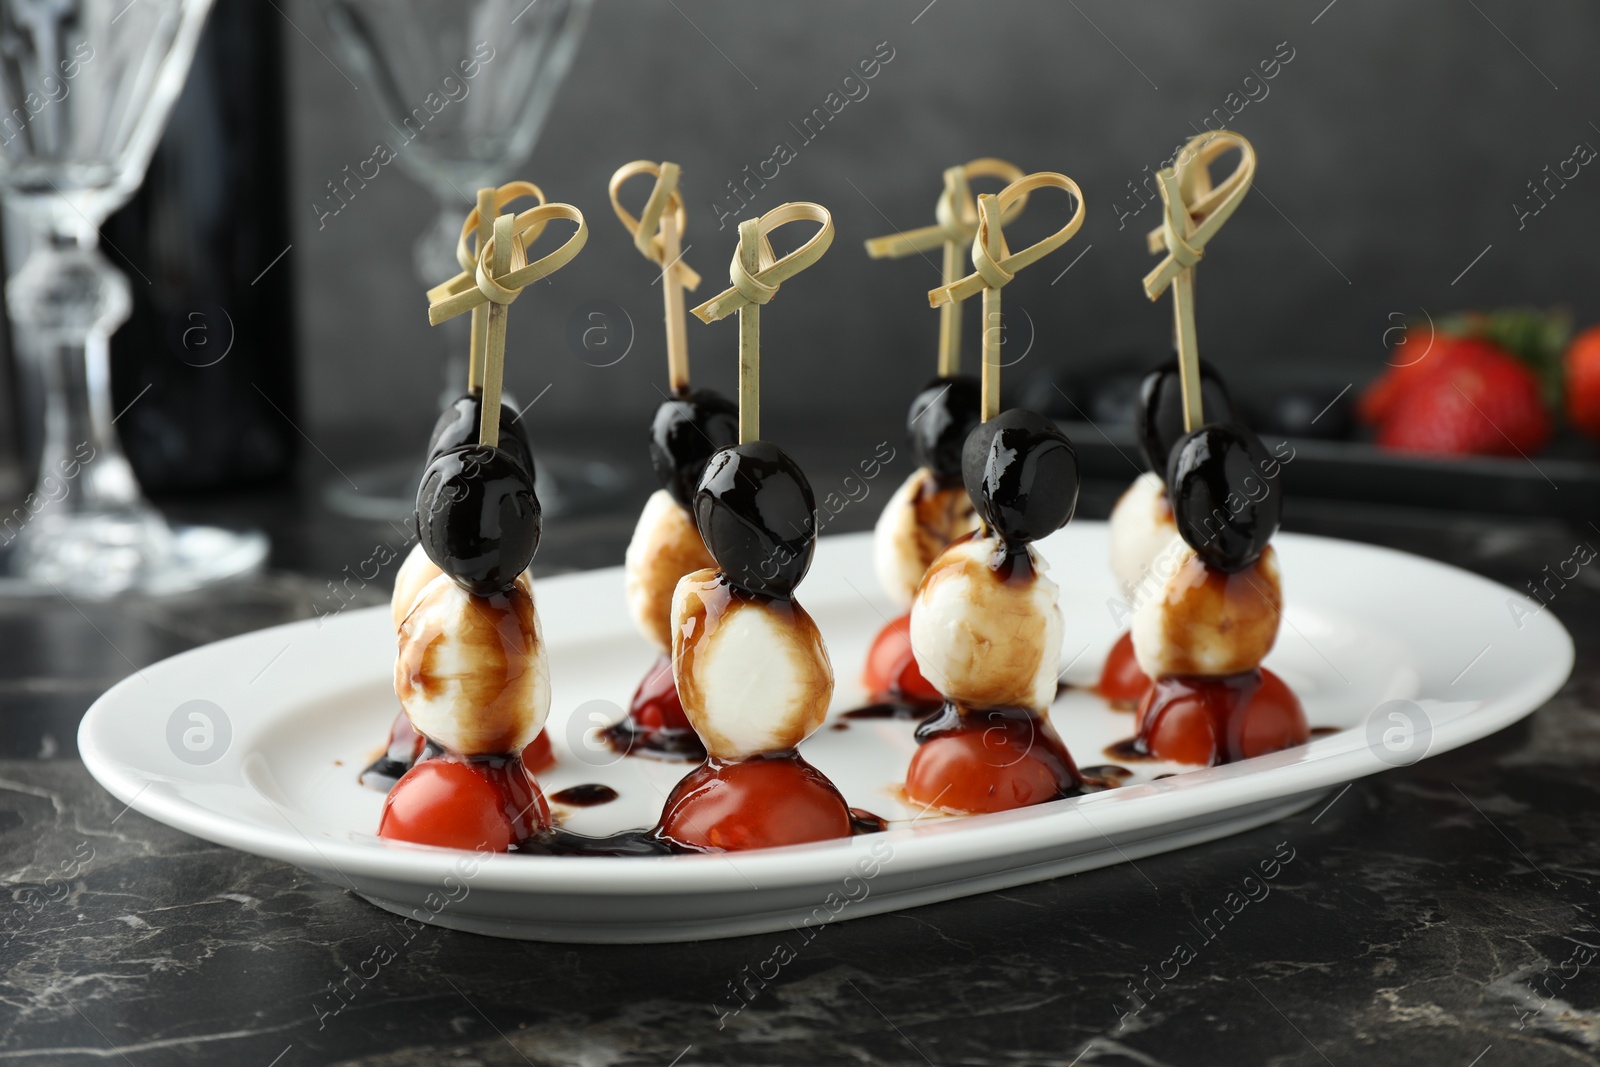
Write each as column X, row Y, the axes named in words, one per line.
column 485, row 212
column 755, row 274
column 657, row 234
column 957, row 216
column 1193, row 211
column 492, row 278
column 995, row 265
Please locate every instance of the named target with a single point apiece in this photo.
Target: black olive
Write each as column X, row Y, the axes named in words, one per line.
column 458, row 425
column 478, row 517
column 1022, row 474
column 757, row 515
column 1226, row 495
column 941, row 417
column 687, row 429
column 1158, row 417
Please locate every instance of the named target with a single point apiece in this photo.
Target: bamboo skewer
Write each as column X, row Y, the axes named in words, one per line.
column 672, row 309
column 475, row 233
column 957, row 226
column 1194, row 211
column 1188, row 345
column 494, row 363
column 950, row 314
column 989, row 405
column 495, row 276
column 485, row 229
column 994, row 265
column 749, row 253
column 658, row 234
column 755, row 275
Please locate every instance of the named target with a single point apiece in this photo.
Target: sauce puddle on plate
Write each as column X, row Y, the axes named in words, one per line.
column 587, row 795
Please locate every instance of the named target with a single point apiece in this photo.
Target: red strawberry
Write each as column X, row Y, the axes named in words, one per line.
column 1478, row 401
column 1583, row 381
column 1418, row 354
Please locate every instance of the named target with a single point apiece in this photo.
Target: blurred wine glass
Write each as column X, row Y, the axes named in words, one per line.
column 465, row 87
column 85, row 89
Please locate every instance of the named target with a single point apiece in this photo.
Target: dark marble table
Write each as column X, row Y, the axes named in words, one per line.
column 1443, row 913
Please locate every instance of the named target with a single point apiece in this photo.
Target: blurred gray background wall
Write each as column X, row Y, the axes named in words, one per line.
column 1395, row 141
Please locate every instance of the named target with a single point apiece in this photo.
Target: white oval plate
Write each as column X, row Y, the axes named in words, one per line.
column 297, row 710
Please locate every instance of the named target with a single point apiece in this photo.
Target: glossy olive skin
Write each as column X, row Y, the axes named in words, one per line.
column 1158, row 415
column 1224, row 502
column 478, row 517
column 687, row 429
column 757, row 515
column 1022, row 475
column 457, row 425
column 939, row 422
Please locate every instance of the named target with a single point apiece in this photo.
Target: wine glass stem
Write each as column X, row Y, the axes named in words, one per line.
column 66, row 300
column 80, row 442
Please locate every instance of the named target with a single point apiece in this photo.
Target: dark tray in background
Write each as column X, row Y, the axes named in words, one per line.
column 1545, row 486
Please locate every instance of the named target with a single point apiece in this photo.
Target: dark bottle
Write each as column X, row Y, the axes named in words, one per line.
column 212, row 331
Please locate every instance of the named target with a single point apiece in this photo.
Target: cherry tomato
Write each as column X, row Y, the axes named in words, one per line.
column 655, row 703
column 761, row 802
column 537, row 755
column 1121, row 681
column 453, row 803
column 892, row 670
column 1209, row 721
column 990, row 761
column 1182, row 724
column 1273, row 720
column 405, row 744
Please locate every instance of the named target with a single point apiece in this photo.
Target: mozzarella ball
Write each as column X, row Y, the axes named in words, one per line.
column 919, row 522
column 414, row 575
column 983, row 640
column 417, row 571
column 472, row 672
column 666, row 545
column 1141, row 526
column 1202, row 621
column 753, row 674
